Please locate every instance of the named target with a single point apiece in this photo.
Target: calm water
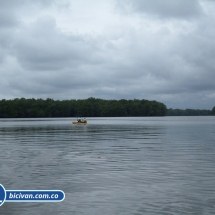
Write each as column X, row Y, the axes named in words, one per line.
column 111, row 166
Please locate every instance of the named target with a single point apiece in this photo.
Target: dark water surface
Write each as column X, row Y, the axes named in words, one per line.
column 160, row 165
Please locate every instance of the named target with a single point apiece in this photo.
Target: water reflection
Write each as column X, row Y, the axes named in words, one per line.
column 114, row 165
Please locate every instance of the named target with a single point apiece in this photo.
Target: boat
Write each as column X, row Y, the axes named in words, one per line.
column 80, row 122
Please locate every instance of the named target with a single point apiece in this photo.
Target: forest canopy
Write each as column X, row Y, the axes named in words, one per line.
column 91, row 107
column 213, row 111
column 188, row 112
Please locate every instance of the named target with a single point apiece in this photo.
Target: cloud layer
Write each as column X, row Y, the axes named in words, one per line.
column 109, row 49
column 166, row 9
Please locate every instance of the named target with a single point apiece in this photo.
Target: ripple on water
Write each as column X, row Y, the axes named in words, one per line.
column 115, row 165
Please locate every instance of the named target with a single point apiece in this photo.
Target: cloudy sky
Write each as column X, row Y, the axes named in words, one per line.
column 111, row 49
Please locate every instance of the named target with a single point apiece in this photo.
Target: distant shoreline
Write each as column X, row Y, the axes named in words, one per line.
column 91, row 107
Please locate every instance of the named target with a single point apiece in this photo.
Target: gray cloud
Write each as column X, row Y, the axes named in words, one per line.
column 41, row 46
column 163, row 9
column 129, row 57
column 7, row 20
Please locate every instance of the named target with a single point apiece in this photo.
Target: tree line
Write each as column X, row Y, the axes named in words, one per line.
column 91, row 107
column 189, row 112
column 213, row 111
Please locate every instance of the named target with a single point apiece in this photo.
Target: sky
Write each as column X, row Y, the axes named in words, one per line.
column 109, row 49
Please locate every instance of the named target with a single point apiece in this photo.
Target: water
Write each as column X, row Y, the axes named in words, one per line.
column 159, row 165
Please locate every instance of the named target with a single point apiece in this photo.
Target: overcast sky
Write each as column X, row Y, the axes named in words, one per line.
column 111, row 49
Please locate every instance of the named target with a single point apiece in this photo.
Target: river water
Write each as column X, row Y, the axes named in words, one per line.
column 153, row 165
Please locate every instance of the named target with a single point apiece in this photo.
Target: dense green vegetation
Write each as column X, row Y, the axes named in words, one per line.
column 213, row 111
column 90, row 107
column 188, row 112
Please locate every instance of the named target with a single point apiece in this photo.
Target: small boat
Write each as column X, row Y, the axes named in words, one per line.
column 80, row 122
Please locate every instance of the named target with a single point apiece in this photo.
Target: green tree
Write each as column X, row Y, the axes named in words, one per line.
column 213, row 111
column 91, row 107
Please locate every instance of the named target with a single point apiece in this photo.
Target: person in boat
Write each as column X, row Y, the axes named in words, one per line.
column 81, row 120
